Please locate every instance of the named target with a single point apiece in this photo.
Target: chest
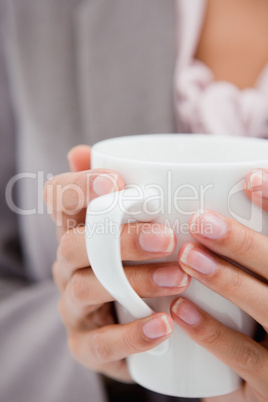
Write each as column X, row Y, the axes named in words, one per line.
column 233, row 41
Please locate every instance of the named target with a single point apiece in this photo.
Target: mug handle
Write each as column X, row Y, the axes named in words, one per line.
column 104, row 218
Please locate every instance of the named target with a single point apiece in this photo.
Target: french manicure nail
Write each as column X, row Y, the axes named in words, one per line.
column 258, row 183
column 105, row 183
column 186, row 312
column 198, row 259
column 170, row 277
column 161, row 240
column 157, row 327
column 208, row 225
column 184, row 256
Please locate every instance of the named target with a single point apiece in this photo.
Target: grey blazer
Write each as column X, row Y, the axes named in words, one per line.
column 72, row 71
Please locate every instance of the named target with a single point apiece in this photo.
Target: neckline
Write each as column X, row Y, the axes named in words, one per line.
column 191, row 16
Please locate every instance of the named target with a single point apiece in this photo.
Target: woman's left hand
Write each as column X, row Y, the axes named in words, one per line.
column 226, row 237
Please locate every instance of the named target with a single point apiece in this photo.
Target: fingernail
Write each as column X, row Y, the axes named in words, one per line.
column 258, row 183
column 157, row 327
column 105, row 183
column 186, row 312
column 157, row 240
column 208, row 225
column 198, row 259
column 170, row 277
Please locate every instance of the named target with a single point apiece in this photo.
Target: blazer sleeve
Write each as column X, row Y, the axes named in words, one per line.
column 35, row 362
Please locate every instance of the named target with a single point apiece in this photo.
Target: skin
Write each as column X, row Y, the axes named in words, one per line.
column 232, row 41
column 232, row 37
column 247, row 357
column 98, row 343
column 94, row 338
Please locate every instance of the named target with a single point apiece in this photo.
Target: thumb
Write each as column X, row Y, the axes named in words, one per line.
column 79, row 158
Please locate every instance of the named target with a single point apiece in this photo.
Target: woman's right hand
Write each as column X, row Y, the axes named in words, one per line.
column 95, row 339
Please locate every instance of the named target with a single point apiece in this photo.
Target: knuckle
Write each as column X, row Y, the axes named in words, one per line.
column 245, row 242
column 233, row 282
column 211, row 336
column 102, row 349
column 130, row 342
column 77, row 288
column 249, row 357
column 81, row 290
column 59, row 281
column 65, row 249
column 77, row 351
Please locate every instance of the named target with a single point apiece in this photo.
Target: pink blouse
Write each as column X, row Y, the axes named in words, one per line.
column 207, row 106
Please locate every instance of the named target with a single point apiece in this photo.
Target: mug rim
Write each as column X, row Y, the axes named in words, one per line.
column 210, row 137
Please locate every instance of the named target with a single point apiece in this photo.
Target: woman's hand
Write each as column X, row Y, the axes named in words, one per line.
column 230, row 239
column 95, row 340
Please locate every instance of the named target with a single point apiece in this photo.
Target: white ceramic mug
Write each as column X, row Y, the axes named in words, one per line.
column 169, row 176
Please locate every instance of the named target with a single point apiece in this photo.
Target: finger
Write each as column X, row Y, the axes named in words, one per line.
column 79, row 158
column 143, row 241
column 248, row 358
column 84, row 292
column 231, row 239
column 57, row 277
column 139, row 241
column 96, row 317
column 247, row 292
column 70, row 193
column 97, row 348
column 117, row 370
column 66, row 223
column 257, row 187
